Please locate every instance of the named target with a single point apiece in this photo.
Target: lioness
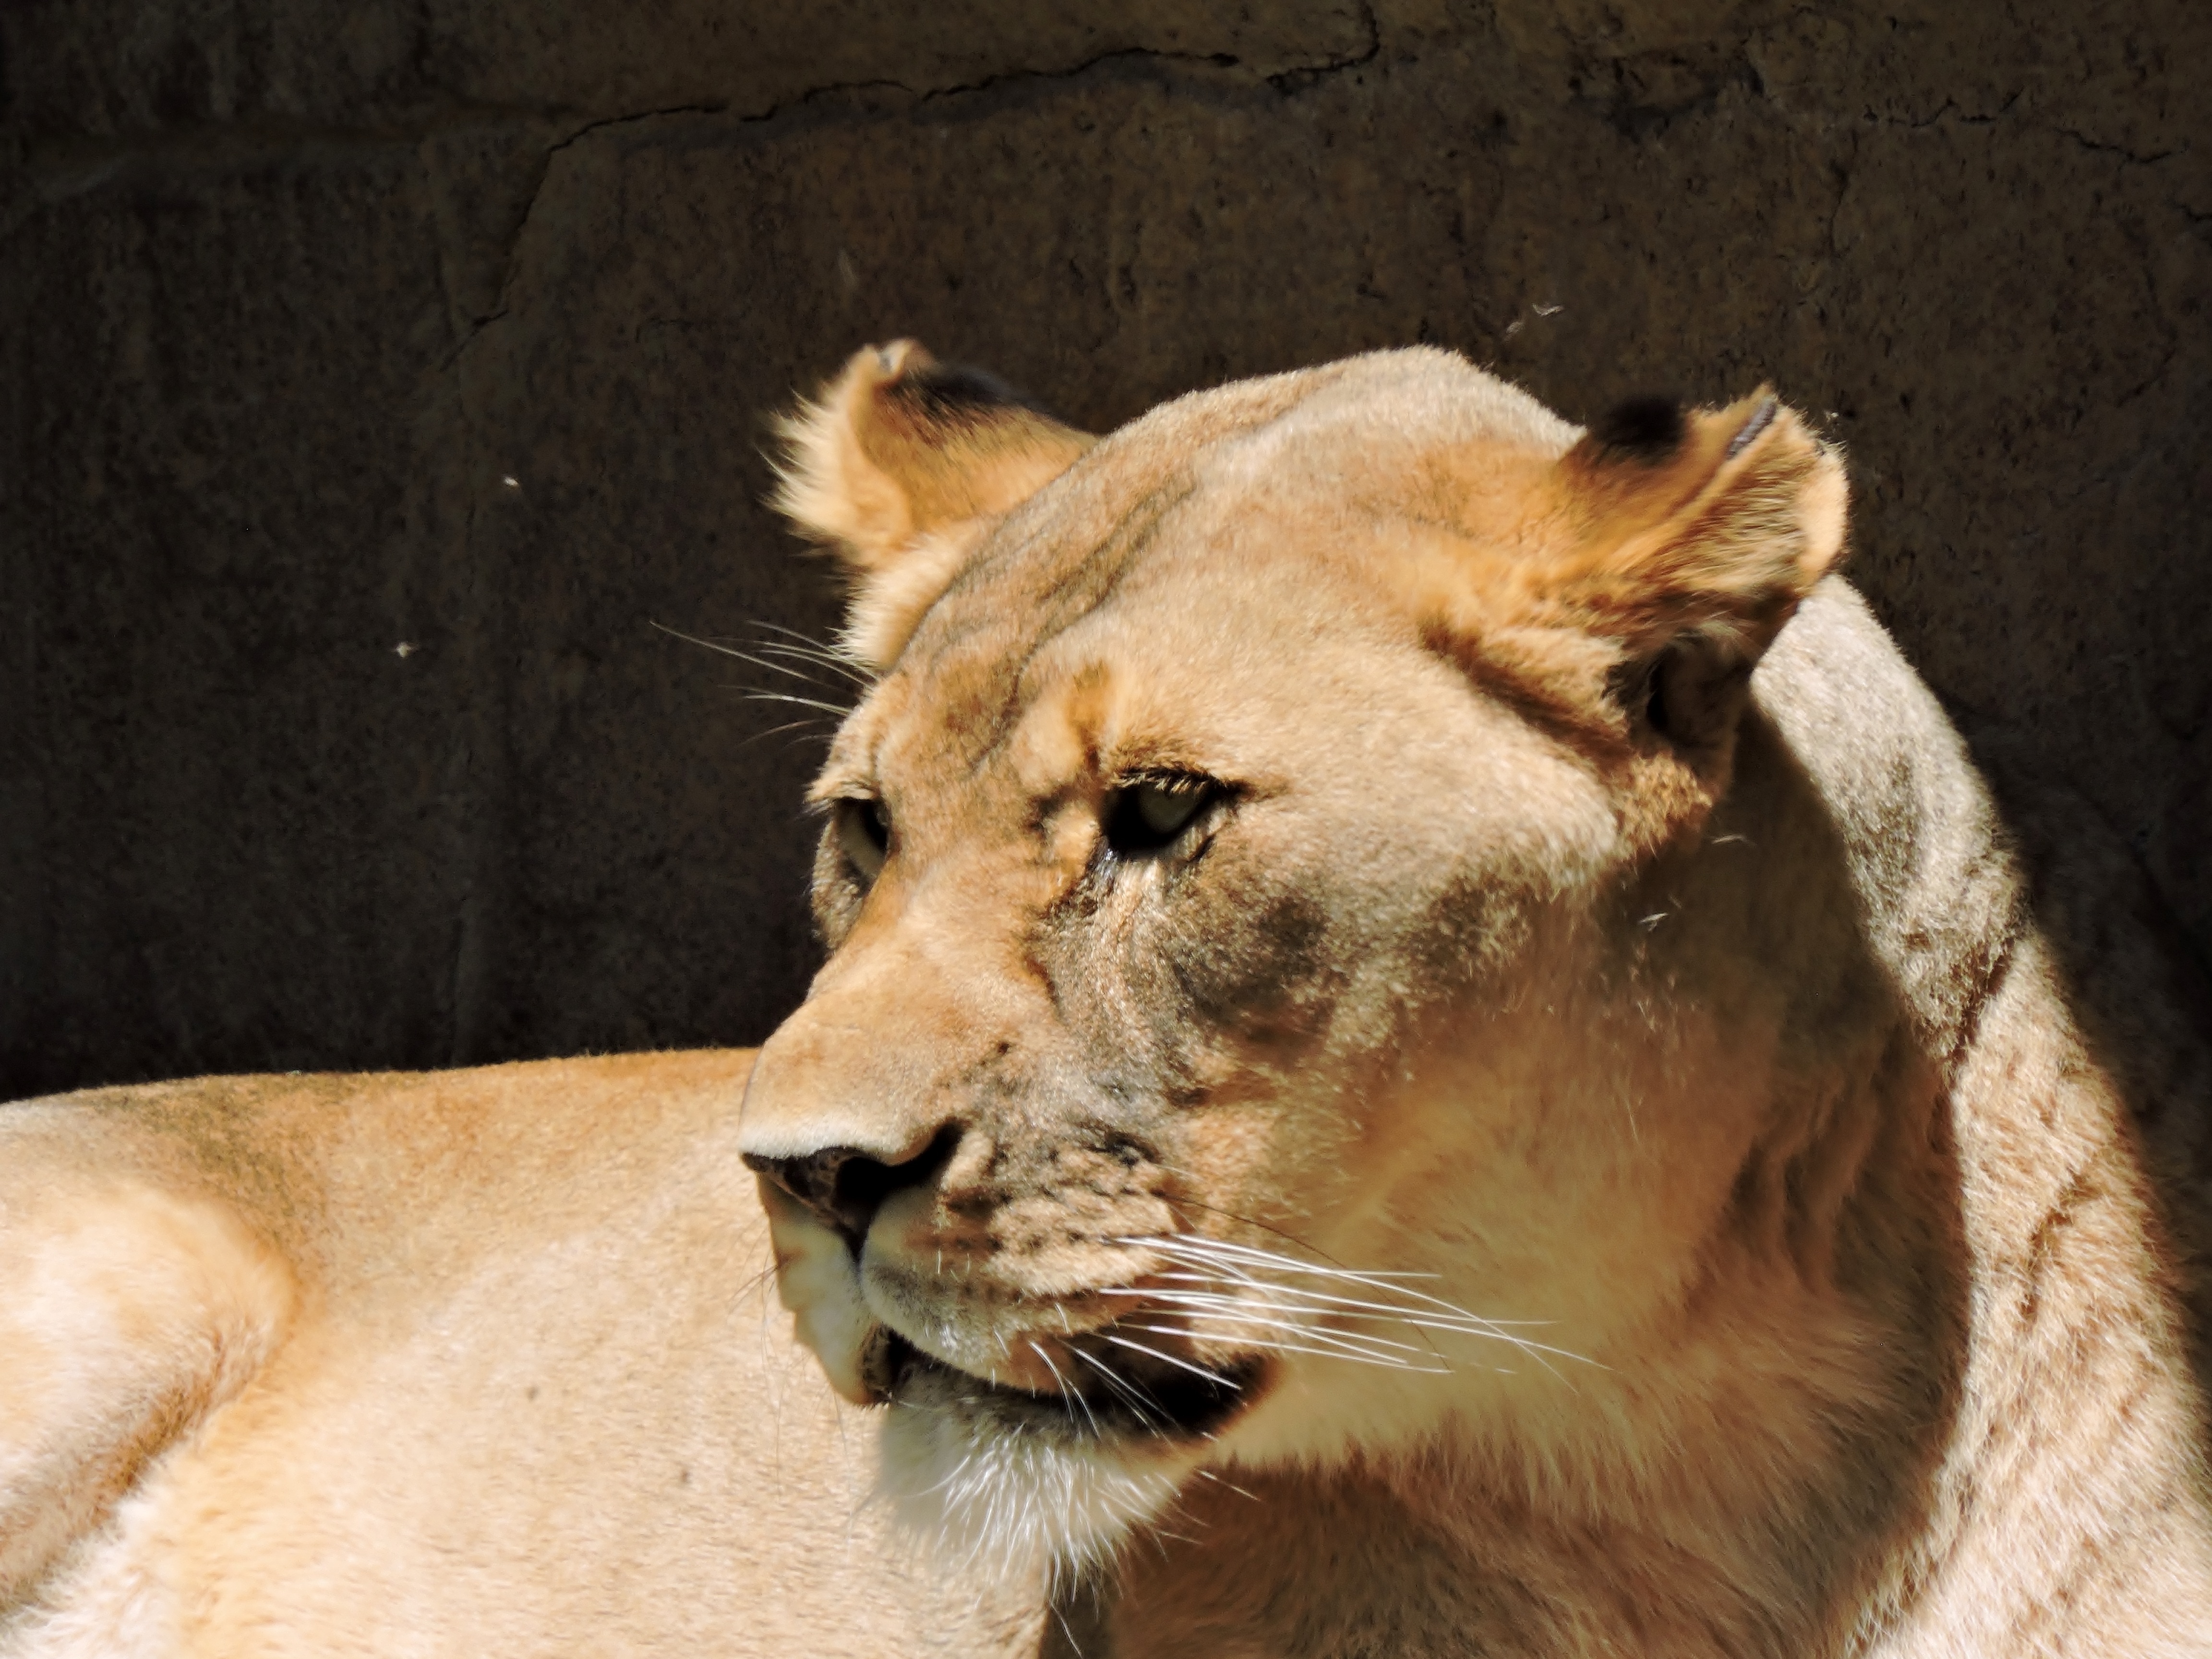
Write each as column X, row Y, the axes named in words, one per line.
column 1376, row 1089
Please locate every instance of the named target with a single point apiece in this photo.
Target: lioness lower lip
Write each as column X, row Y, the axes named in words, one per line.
column 1172, row 1402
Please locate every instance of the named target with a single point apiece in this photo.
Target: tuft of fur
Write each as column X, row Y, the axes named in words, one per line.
column 996, row 1502
column 1724, row 532
column 901, row 464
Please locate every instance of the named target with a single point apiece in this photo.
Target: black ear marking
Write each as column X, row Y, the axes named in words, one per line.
column 1648, row 430
column 1761, row 418
column 953, row 392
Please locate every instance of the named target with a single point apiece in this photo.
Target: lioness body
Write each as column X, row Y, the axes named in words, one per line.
column 482, row 1361
column 1376, row 1089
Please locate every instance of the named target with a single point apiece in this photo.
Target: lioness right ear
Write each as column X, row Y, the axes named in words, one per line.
column 901, row 465
column 1696, row 533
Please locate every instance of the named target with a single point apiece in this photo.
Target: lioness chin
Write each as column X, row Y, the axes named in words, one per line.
column 1430, row 1046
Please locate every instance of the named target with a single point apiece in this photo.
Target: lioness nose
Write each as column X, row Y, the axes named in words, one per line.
column 845, row 1188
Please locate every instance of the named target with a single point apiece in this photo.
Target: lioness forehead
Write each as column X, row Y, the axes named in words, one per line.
column 1366, row 435
column 1255, row 501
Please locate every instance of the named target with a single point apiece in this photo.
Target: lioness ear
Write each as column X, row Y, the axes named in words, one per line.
column 901, row 465
column 1694, row 538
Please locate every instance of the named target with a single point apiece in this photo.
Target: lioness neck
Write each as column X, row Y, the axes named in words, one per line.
column 1782, row 1440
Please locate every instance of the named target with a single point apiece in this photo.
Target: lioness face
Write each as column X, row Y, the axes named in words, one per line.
column 1222, row 1048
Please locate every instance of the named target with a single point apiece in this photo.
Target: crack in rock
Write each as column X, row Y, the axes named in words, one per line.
column 1287, row 82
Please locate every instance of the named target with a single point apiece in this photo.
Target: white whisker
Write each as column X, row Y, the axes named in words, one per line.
column 825, row 654
column 747, row 656
column 1223, row 1325
column 1273, row 1345
column 1231, row 1310
column 1220, row 1480
column 1242, row 1263
column 839, row 709
column 1274, row 1287
column 1214, row 1377
column 1120, row 1386
column 836, row 709
column 812, row 722
column 1066, row 1392
column 840, row 667
column 1354, row 1343
column 1318, row 1302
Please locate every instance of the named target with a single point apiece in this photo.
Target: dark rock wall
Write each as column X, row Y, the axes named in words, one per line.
column 378, row 375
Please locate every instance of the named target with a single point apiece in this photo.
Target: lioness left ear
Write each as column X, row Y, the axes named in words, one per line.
column 902, row 464
column 1695, row 535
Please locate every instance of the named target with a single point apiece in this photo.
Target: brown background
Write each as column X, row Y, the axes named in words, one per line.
column 287, row 291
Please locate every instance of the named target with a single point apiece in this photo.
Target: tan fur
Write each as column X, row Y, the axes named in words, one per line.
column 903, row 491
column 1643, row 1167
column 1673, row 1053
column 471, row 1363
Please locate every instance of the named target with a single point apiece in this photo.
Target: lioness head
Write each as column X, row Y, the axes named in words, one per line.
column 1246, row 879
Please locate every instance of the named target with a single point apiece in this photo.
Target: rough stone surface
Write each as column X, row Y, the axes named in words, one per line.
column 377, row 376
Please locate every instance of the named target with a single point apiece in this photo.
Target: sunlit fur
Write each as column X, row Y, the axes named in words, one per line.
column 478, row 1361
column 997, row 1499
column 1567, row 1151
column 1613, row 1118
column 1025, row 1490
column 903, row 488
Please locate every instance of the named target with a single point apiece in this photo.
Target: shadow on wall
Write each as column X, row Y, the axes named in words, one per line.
column 380, row 378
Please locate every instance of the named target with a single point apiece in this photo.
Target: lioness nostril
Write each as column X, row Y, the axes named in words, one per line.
column 844, row 1187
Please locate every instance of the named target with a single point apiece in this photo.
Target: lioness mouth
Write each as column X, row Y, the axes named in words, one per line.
column 1120, row 1391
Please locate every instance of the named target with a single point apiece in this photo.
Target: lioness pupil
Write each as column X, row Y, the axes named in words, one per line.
column 1165, row 810
column 864, row 831
column 1146, row 815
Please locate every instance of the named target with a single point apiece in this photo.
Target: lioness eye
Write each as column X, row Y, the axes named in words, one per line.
column 864, row 830
column 1145, row 815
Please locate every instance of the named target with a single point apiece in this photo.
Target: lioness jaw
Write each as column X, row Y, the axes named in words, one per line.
column 1429, row 1044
